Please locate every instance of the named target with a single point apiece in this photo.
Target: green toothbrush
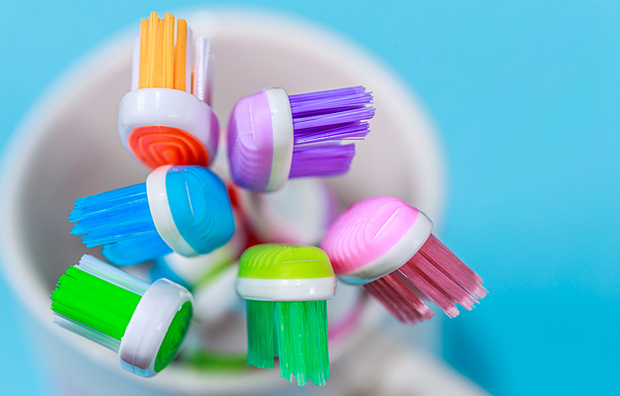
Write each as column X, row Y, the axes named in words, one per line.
column 144, row 323
column 286, row 288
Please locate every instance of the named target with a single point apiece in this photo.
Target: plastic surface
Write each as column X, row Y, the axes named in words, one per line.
column 156, row 329
column 260, row 140
column 307, row 289
column 299, row 213
column 272, row 261
column 191, row 127
column 190, row 209
column 273, row 272
column 375, row 237
column 200, row 207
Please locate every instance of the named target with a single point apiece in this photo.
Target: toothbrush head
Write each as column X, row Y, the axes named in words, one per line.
column 184, row 209
column 166, row 119
column 388, row 247
column 190, row 209
column 144, row 323
column 156, row 329
column 375, row 237
column 273, row 137
column 260, row 140
column 273, row 272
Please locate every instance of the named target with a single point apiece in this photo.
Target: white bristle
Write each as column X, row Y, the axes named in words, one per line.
column 208, row 82
column 135, row 64
column 189, row 56
column 198, row 90
column 111, row 274
column 203, row 69
column 87, row 332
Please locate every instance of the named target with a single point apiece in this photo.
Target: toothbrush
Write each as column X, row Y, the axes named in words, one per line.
column 184, row 209
column 195, row 270
column 209, row 276
column 299, row 213
column 144, row 323
column 273, row 137
column 286, row 288
column 182, row 269
column 387, row 246
column 166, row 118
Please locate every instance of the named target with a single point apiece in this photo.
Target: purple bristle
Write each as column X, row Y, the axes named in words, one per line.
column 321, row 122
column 320, row 161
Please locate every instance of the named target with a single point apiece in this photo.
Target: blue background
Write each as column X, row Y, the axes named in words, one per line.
column 526, row 97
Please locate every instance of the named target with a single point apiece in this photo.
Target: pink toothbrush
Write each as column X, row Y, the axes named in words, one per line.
column 387, row 246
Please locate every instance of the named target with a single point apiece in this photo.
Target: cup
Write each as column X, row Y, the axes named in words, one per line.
column 68, row 146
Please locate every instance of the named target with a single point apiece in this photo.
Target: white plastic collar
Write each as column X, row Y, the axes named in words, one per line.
column 282, row 127
column 166, row 107
column 162, row 216
column 148, row 326
column 396, row 257
column 311, row 289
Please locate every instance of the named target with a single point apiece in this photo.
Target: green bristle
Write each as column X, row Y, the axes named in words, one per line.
column 261, row 347
column 300, row 339
column 94, row 302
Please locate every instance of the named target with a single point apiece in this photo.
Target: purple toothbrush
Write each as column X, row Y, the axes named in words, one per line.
column 273, row 136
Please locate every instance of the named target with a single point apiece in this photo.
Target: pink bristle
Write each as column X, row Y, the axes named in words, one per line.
column 424, row 276
column 443, row 278
column 399, row 299
column 438, row 253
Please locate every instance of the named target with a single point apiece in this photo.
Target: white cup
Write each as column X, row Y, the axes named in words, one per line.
column 68, row 146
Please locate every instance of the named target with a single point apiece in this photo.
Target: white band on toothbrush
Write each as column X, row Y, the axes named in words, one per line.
column 148, row 326
column 312, row 289
column 167, row 107
column 396, row 257
column 162, row 216
column 283, row 137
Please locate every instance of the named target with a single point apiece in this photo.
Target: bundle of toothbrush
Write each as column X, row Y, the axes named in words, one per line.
column 246, row 217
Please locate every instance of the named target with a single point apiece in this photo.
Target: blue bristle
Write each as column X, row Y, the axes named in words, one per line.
column 113, row 216
column 322, row 121
column 134, row 251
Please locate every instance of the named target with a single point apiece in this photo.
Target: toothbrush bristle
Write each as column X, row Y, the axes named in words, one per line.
column 113, row 216
column 110, row 274
column 134, row 251
column 296, row 332
column 399, row 299
column 329, row 101
column 321, row 122
column 162, row 64
column 443, row 278
column 321, row 161
column 93, row 302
